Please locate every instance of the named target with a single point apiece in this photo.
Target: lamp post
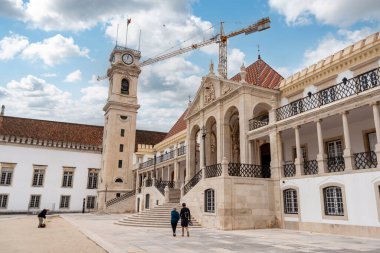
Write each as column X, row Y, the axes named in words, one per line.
column 105, row 196
column 204, row 132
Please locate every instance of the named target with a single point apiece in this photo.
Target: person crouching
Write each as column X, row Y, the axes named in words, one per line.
column 41, row 218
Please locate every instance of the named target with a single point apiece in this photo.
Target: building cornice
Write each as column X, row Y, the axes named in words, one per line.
column 7, row 139
column 363, row 51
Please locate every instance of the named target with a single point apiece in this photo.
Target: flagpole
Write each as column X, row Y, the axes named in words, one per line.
column 139, row 39
column 117, row 33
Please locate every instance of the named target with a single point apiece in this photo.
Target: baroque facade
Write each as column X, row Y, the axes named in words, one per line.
column 253, row 151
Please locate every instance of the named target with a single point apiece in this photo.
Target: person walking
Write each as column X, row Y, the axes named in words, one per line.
column 185, row 219
column 174, row 220
column 41, row 218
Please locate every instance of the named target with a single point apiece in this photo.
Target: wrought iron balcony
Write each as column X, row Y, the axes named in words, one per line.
column 289, row 169
column 168, row 156
column 365, row 160
column 148, row 182
column 310, row 167
column 147, row 163
column 347, row 88
column 335, row 163
column 256, row 123
column 160, row 185
column 214, row 170
column 197, row 177
column 249, row 170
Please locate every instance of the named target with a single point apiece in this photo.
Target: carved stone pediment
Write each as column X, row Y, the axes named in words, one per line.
column 227, row 88
column 209, row 92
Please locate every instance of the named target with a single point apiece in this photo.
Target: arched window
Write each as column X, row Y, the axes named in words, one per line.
column 118, row 180
column 333, row 201
column 125, row 87
column 210, row 201
column 147, row 200
column 290, row 201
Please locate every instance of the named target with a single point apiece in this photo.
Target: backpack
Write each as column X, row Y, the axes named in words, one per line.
column 186, row 214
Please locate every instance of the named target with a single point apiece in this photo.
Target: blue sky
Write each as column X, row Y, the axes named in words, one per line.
column 52, row 50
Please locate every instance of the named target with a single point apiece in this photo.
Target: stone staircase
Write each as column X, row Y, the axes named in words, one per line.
column 158, row 217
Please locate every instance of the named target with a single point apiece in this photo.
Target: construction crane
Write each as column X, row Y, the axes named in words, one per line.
column 221, row 38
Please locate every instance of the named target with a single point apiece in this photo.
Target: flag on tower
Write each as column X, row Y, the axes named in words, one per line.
column 129, row 21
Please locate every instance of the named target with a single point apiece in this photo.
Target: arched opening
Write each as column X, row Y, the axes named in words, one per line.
column 260, row 116
column 194, row 147
column 125, row 87
column 211, row 142
column 232, row 135
column 118, row 180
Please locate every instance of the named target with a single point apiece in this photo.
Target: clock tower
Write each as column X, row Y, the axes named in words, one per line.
column 119, row 132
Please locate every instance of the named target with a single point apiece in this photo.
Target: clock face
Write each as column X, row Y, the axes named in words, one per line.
column 127, row 59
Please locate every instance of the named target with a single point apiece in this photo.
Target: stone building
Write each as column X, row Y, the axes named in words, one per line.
column 252, row 151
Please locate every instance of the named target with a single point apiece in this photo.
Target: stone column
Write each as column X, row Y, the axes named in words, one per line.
column 137, row 180
column 176, row 175
column 347, row 153
column 321, row 156
column 299, row 159
column 376, row 118
column 168, row 176
column 162, row 173
column 275, row 162
column 224, row 164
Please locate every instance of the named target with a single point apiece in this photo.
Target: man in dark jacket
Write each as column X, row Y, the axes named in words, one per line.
column 41, row 217
column 174, row 219
column 185, row 218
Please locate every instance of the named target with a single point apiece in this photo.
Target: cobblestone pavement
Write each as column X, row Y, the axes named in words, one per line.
column 19, row 233
column 117, row 239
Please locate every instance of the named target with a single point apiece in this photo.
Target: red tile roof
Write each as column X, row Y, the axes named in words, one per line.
column 66, row 132
column 269, row 78
column 179, row 126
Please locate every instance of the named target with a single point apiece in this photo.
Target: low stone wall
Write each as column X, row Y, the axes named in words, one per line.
column 124, row 206
column 155, row 197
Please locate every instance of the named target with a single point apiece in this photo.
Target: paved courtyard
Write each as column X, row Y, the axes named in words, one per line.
column 19, row 234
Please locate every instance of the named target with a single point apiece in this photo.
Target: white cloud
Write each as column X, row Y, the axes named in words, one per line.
column 11, row 8
column 74, row 76
column 54, row 50
column 333, row 43
column 49, row 74
column 337, row 12
column 235, row 59
column 37, row 98
column 10, row 46
column 328, row 45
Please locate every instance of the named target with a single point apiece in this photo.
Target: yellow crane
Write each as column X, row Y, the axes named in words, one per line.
column 221, row 38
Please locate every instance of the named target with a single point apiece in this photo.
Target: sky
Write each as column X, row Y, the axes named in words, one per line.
column 51, row 51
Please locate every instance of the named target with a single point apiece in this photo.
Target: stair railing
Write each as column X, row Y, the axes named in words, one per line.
column 197, row 177
column 121, row 198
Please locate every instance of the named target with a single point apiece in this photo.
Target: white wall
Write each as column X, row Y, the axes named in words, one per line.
column 360, row 198
column 55, row 159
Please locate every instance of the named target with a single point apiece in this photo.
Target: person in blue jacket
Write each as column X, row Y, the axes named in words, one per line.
column 174, row 219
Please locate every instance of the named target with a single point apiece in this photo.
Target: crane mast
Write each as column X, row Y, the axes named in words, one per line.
column 221, row 38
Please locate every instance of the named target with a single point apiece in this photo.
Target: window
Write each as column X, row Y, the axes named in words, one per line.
column 371, row 140
column 65, row 202
column 121, row 148
column 333, row 201
column 327, row 96
column 91, row 202
column 67, row 180
column 210, row 201
column 38, row 177
column 125, row 87
column 122, row 132
column 118, row 194
column 297, row 107
column 120, row 165
column 290, row 201
column 3, row 200
column 92, row 179
column 303, row 153
column 334, row 153
column 34, row 201
column 6, row 176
